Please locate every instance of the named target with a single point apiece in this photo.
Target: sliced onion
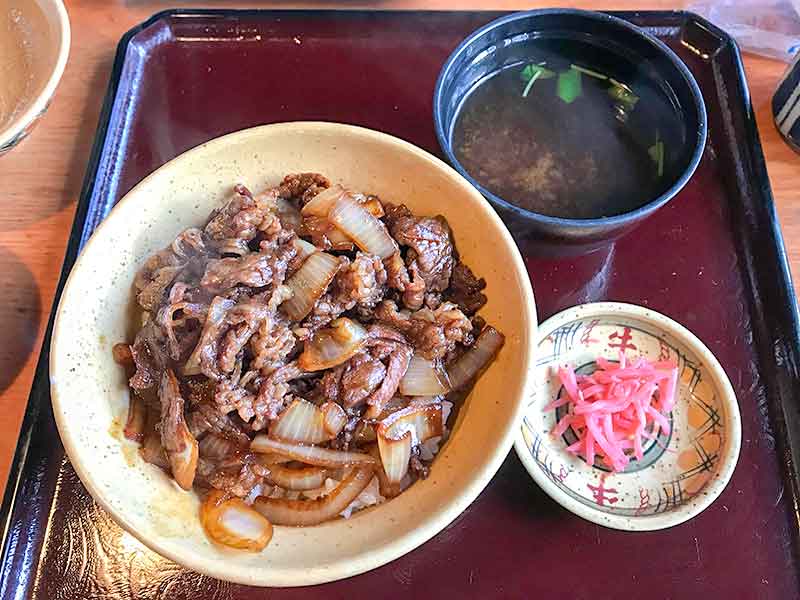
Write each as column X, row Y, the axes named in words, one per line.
column 321, row 204
column 387, row 488
column 288, row 214
column 338, row 240
column 229, row 521
column 313, row 455
column 364, row 433
column 301, row 421
column 184, row 462
column 308, row 478
column 395, row 454
column 333, row 345
column 137, row 418
column 269, row 458
column 309, row 283
column 334, row 418
column 180, row 445
column 374, row 206
column 424, row 378
column 398, row 363
column 366, row 231
column 469, row 364
column 423, row 421
column 299, row 513
column 304, row 249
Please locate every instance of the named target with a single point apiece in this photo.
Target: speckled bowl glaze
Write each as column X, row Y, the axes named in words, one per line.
column 44, row 40
column 681, row 473
column 90, row 395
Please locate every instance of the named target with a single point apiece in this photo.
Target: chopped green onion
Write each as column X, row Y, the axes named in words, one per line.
column 569, row 86
column 656, row 153
column 530, row 84
column 623, row 94
column 589, row 72
column 539, row 71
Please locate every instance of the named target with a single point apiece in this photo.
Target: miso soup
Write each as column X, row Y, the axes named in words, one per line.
column 572, row 131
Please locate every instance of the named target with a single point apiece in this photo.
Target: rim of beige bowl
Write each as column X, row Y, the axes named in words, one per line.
column 415, row 536
column 39, row 104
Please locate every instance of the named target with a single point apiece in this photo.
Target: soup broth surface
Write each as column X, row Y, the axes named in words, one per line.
column 572, row 131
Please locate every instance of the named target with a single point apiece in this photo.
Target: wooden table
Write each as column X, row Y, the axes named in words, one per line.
column 40, row 181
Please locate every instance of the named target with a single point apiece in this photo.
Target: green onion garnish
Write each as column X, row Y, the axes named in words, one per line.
column 623, row 94
column 589, row 72
column 569, row 86
column 529, row 71
column 530, row 83
column 656, row 153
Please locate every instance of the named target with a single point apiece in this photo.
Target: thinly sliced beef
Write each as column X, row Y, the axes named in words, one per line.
column 272, row 342
column 244, row 320
column 273, row 234
column 397, row 276
column 253, row 270
column 189, row 244
column 326, row 309
column 238, row 221
column 303, row 186
column 430, row 249
column 433, row 333
column 150, row 356
column 154, row 291
column 206, row 418
column 274, row 395
column 228, row 328
column 362, row 379
column 414, row 292
column 371, row 376
column 399, row 357
column 466, row 290
column 352, row 383
column 240, row 477
column 180, row 321
column 204, row 357
column 231, row 396
column 359, row 283
column 159, row 271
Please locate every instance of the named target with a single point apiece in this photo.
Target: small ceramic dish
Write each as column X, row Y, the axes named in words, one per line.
column 34, row 45
column 681, row 473
column 90, row 392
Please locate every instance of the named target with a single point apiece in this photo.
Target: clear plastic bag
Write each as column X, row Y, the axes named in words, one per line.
column 767, row 27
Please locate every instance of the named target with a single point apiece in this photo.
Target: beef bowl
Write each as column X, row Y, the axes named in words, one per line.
column 280, row 378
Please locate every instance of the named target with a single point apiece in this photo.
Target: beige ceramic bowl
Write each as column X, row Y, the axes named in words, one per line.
column 89, row 391
column 34, row 44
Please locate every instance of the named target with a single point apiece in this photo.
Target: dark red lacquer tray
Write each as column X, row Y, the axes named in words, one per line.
column 713, row 259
